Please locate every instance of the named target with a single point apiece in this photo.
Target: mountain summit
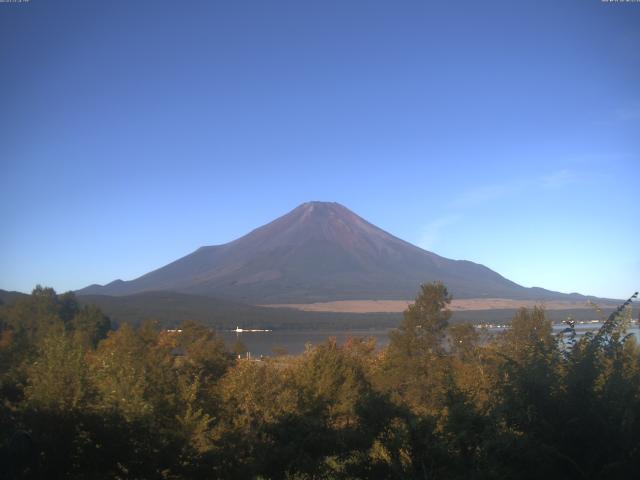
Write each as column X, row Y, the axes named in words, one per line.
column 320, row 251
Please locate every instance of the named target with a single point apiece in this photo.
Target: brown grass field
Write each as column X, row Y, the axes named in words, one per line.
column 395, row 306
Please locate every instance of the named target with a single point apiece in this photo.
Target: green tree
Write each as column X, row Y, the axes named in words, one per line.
column 413, row 365
column 203, row 352
column 59, row 377
column 134, row 372
column 90, row 325
column 424, row 324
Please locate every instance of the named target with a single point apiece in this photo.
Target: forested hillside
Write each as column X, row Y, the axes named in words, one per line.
column 442, row 401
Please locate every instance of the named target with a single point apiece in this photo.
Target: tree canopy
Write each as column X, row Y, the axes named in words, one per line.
column 81, row 400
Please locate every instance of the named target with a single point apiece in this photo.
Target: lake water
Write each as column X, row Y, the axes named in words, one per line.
column 294, row 342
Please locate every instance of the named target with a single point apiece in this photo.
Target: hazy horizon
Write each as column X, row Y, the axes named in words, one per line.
column 503, row 133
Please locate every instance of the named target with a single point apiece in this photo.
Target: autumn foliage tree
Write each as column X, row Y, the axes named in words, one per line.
column 80, row 400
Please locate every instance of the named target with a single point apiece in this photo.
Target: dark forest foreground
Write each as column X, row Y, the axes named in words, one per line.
column 81, row 401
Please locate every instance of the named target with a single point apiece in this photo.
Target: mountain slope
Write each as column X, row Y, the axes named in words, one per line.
column 319, row 252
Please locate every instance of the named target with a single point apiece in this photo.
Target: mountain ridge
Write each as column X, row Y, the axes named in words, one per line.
column 320, row 251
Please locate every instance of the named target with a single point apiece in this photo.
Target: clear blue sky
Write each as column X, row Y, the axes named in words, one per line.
column 503, row 132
